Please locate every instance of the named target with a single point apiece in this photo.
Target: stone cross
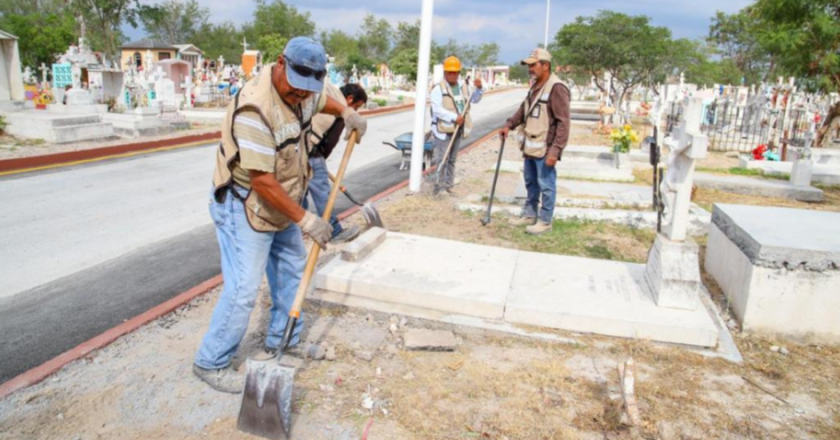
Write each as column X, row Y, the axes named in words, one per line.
column 687, row 145
column 221, row 63
column 244, row 44
column 44, row 71
column 187, row 85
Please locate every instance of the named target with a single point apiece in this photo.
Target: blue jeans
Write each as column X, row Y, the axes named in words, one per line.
column 319, row 189
column 246, row 256
column 540, row 180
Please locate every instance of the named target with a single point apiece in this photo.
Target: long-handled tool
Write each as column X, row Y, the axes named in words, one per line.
column 369, row 212
column 441, row 165
column 486, row 220
column 266, row 409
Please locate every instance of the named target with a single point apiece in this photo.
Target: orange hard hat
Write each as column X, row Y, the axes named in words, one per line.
column 452, row 64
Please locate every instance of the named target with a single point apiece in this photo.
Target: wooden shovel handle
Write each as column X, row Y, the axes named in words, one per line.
column 315, row 250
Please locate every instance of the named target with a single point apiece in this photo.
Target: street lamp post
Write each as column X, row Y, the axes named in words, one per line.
column 547, row 12
column 421, row 86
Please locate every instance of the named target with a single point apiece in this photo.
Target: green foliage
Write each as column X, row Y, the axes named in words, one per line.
column 278, row 19
column 405, row 63
column 175, row 21
column 219, row 39
column 406, row 37
column 272, row 47
column 42, row 37
column 803, row 36
column 628, row 47
column 2, row 123
column 736, row 38
column 518, row 72
column 104, row 20
column 375, row 39
column 344, row 49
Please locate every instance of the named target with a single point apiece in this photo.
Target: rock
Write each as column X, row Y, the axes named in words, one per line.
column 409, row 376
column 60, row 416
column 732, row 324
column 774, row 348
column 369, row 318
column 393, row 329
column 330, row 354
column 378, row 371
column 430, row 340
column 316, row 352
column 784, row 351
column 403, row 323
column 364, row 355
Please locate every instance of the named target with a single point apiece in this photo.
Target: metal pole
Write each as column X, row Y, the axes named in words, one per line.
column 422, row 84
column 547, row 12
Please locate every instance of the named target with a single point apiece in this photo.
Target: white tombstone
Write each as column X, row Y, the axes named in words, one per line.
column 188, row 87
column 803, row 167
column 673, row 267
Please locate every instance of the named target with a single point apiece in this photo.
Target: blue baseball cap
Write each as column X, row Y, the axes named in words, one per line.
column 306, row 64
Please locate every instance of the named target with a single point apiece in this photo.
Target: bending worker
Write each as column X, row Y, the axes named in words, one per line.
column 326, row 132
column 543, row 120
column 261, row 175
column 448, row 100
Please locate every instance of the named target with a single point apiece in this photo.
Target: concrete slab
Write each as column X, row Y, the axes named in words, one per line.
column 828, row 174
column 57, row 127
column 597, row 296
column 615, row 191
column 364, row 245
column 601, row 170
column 699, row 218
column 824, row 156
column 602, row 152
column 809, row 237
column 445, row 278
column 778, row 283
column 427, row 272
column 758, row 187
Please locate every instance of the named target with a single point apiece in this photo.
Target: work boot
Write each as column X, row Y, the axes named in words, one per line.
column 225, row 380
column 523, row 221
column 346, row 235
column 538, row 228
column 451, row 192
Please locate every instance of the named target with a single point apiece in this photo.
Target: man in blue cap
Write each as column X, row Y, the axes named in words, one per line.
column 261, row 176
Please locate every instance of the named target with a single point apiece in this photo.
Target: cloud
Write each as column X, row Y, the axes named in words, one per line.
column 517, row 26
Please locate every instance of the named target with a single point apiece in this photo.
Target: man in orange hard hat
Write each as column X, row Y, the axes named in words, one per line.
column 449, row 99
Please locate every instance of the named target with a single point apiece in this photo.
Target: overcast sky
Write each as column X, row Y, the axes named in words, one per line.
column 516, row 25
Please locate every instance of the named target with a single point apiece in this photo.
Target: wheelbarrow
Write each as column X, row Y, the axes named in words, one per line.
column 403, row 144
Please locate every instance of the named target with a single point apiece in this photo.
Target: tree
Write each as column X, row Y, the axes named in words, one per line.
column 104, row 19
column 736, row 38
column 42, row 37
column 344, row 49
column 175, row 21
column 272, row 47
column 803, row 36
column 219, row 39
column 405, row 63
column 518, row 72
column 486, row 54
column 375, row 39
column 27, row 7
column 278, row 19
column 627, row 47
column 406, row 37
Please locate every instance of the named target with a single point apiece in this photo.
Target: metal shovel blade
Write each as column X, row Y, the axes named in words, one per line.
column 371, row 216
column 266, row 409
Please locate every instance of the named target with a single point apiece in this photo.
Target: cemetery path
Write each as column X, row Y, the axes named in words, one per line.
column 84, row 248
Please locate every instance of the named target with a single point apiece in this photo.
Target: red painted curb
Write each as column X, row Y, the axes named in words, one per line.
column 95, row 153
column 46, row 369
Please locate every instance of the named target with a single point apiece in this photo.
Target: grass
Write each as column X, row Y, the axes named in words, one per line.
column 583, row 239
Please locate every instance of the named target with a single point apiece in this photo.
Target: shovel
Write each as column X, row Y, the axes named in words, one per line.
column 266, row 409
column 441, row 166
column 486, row 220
column 369, row 212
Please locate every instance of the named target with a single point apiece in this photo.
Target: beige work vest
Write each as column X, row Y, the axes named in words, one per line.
column 322, row 121
column 290, row 128
column 449, row 104
column 532, row 133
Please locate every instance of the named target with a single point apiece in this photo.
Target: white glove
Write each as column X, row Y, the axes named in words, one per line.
column 354, row 121
column 319, row 230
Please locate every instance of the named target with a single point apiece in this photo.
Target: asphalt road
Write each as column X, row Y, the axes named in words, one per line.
column 85, row 248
